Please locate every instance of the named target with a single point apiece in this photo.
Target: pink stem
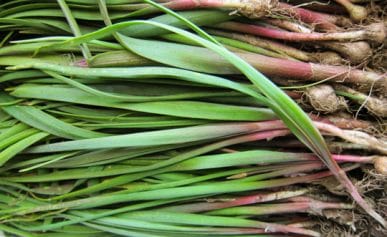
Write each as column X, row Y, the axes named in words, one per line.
column 356, row 52
column 353, row 158
column 362, row 138
column 332, row 9
column 81, row 63
column 235, row 231
column 318, row 206
column 275, row 128
column 331, row 57
column 315, row 72
column 354, row 136
column 275, row 228
column 311, row 36
column 323, row 21
column 238, row 201
column 308, row 205
column 344, row 123
column 288, row 25
column 341, row 175
column 304, row 224
column 250, row 231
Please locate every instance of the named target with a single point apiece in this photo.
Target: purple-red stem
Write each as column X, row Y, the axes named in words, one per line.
column 237, row 201
column 342, row 122
column 353, row 136
column 374, row 32
column 275, row 128
column 321, row 20
column 315, row 72
column 310, row 206
column 261, row 197
column 328, row 57
column 332, row 9
column 356, row 52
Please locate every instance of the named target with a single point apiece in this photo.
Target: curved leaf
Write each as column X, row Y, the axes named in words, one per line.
column 45, row 122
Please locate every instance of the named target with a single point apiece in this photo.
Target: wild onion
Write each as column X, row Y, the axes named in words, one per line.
column 126, row 118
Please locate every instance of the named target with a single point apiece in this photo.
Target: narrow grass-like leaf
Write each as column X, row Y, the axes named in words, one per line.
column 187, row 109
column 45, row 122
column 205, row 110
column 74, row 26
column 163, row 137
column 25, row 74
column 184, row 56
column 140, row 73
column 59, row 59
column 13, row 130
column 198, row 17
column 14, row 149
column 198, row 219
column 135, row 98
column 17, row 137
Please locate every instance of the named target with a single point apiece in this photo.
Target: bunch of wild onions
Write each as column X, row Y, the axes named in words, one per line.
column 141, row 118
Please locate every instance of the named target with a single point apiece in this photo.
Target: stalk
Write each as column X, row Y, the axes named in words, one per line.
column 344, row 121
column 175, row 231
column 374, row 32
column 342, row 146
column 233, row 44
column 286, row 25
column 324, row 21
column 316, row 72
column 335, row 146
column 304, row 205
column 235, row 201
column 15, row 231
column 356, row 159
column 304, row 223
column 331, row 58
column 332, row 9
column 356, row 52
column 74, row 26
column 199, row 219
column 356, row 137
